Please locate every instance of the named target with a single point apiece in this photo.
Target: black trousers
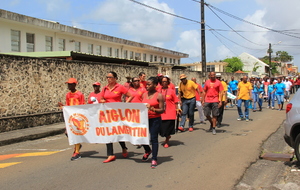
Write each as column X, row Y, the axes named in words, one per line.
column 110, row 148
column 221, row 111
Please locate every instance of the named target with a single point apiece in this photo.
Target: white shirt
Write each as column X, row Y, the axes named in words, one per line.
column 288, row 85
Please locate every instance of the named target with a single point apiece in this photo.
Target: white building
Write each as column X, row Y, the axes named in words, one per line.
column 20, row 33
column 250, row 62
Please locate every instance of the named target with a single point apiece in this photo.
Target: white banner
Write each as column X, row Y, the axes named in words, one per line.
column 107, row 123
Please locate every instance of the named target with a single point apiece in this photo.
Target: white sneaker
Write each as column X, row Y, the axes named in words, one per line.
column 268, row 107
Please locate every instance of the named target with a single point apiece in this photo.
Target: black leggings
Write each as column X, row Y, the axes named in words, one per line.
column 110, row 148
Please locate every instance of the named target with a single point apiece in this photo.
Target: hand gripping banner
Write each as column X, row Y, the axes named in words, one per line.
column 107, row 123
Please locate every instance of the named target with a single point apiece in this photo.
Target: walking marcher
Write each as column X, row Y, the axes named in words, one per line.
column 271, row 95
column 113, row 92
column 213, row 91
column 279, row 90
column 233, row 86
column 199, row 98
column 155, row 104
column 94, row 97
column 143, row 81
column 136, row 90
column 244, row 96
column 223, row 100
column 74, row 97
column 288, row 86
column 170, row 114
column 187, row 96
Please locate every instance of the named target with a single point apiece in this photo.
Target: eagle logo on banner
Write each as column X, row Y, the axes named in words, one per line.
column 78, row 124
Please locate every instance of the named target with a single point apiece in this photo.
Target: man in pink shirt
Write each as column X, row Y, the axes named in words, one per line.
column 213, row 91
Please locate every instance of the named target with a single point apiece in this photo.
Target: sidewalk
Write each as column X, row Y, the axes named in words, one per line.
column 31, row 133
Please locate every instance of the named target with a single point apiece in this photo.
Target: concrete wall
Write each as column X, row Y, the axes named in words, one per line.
column 30, row 88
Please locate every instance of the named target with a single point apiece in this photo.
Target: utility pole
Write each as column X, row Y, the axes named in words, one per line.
column 270, row 63
column 203, row 48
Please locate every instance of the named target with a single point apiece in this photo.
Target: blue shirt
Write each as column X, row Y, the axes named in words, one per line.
column 261, row 88
column 279, row 88
column 233, row 84
column 270, row 88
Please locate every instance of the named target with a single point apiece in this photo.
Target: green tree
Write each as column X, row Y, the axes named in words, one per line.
column 283, row 56
column 273, row 67
column 234, row 64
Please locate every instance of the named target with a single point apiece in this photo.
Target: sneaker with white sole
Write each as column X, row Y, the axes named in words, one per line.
column 153, row 164
column 75, row 156
column 239, row 118
column 214, row 131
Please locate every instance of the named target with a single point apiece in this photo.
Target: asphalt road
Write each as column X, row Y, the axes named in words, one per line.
column 194, row 160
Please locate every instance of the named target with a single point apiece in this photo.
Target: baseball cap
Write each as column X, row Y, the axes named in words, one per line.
column 182, row 76
column 96, row 83
column 167, row 76
column 218, row 74
column 72, row 80
column 160, row 75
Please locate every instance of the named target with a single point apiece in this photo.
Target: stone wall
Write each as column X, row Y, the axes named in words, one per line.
column 30, row 88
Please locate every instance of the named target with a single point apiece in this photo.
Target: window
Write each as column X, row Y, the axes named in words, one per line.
column 98, row 50
column 90, row 48
column 78, row 46
column 131, row 55
column 144, row 57
column 155, row 58
column 161, row 59
column 151, row 58
column 15, row 40
column 137, row 56
column 178, row 61
column 210, row 68
column 30, row 42
column 125, row 54
column 174, row 61
column 49, row 43
column 170, row 60
column 109, row 51
column 116, row 52
column 61, row 44
column 165, row 60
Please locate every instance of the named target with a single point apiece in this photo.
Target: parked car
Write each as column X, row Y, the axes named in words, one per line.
column 292, row 124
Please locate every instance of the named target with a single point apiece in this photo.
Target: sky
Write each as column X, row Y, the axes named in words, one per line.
column 226, row 36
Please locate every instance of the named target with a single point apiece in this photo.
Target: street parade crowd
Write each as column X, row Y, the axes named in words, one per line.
column 167, row 104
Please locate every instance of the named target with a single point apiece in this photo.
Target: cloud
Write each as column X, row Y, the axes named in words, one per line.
column 141, row 23
column 189, row 43
column 55, row 8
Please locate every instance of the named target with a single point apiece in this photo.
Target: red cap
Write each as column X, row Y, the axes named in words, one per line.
column 160, row 75
column 97, row 83
column 72, row 80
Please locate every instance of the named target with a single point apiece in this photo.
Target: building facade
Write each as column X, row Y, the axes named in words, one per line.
column 20, row 33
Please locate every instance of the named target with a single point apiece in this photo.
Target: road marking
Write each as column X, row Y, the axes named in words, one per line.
column 36, row 154
column 4, row 165
column 4, row 157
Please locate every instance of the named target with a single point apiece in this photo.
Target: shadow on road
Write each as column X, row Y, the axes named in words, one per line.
column 293, row 164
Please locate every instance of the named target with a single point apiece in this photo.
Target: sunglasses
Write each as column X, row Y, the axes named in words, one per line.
column 96, row 85
column 136, row 81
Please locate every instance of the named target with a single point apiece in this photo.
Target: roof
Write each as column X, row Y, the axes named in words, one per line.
column 52, row 25
column 254, row 58
column 73, row 55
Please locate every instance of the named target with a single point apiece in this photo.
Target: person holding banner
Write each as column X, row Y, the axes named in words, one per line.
column 94, row 97
column 136, row 90
column 74, row 97
column 169, row 116
column 113, row 92
column 155, row 104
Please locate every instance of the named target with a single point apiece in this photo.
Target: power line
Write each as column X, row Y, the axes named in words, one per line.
column 233, row 29
column 235, row 17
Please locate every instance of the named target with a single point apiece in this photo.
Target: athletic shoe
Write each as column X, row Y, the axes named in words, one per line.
column 146, row 156
column 75, row 156
column 273, row 108
column 191, row 129
column 239, row 118
column 247, row 119
column 181, row 129
column 214, row 131
column 268, row 107
column 153, row 164
column 166, row 145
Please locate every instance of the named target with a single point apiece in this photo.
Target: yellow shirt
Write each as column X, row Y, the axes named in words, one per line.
column 225, row 90
column 244, row 90
column 188, row 90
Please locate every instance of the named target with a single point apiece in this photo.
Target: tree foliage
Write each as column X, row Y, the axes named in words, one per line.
column 273, row 67
column 283, row 56
column 255, row 67
column 234, row 64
